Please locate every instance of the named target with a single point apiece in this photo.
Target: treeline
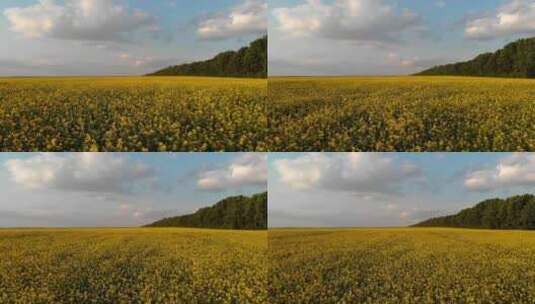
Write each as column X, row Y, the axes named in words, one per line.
column 238, row 212
column 247, row 62
column 517, row 212
column 517, row 60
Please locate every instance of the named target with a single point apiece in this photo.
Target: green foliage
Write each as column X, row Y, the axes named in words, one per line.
column 517, row 59
column 517, row 212
column 401, row 266
column 132, row 114
column 125, row 266
column 238, row 212
column 247, row 62
column 401, row 114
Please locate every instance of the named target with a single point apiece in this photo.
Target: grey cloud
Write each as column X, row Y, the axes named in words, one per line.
column 516, row 170
column 84, row 172
column 343, row 218
column 98, row 20
column 516, row 17
column 134, row 65
column 369, row 21
column 282, row 67
column 249, row 169
column 36, row 219
column 248, row 18
column 421, row 215
column 363, row 173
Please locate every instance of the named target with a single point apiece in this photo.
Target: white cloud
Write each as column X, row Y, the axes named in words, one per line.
column 440, row 3
column 139, row 61
column 86, row 20
column 391, row 207
column 515, row 17
column 355, row 20
column 87, row 172
column 351, row 172
column 404, row 215
column 515, row 170
column 397, row 60
column 249, row 18
column 246, row 170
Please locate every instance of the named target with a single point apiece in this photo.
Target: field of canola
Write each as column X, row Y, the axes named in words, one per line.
column 132, row 266
column 132, row 114
column 401, row 114
column 401, row 266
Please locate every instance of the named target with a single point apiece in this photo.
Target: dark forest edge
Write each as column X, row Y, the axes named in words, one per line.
column 516, row 60
column 248, row 62
column 236, row 212
column 517, row 212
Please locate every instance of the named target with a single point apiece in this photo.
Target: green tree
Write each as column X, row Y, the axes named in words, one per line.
column 516, row 59
column 237, row 212
column 517, row 212
column 248, row 61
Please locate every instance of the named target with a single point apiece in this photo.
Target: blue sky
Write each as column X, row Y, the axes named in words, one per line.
column 107, row 189
column 389, row 37
column 390, row 189
column 305, row 189
column 116, row 37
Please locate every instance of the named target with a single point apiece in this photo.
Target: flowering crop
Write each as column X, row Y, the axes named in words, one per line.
column 401, row 266
column 132, row 114
column 401, row 114
column 132, row 266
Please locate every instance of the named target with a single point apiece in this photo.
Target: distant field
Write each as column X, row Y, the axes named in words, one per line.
column 132, row 266
column 132, row 114
column 401, row 114
column 401, row 266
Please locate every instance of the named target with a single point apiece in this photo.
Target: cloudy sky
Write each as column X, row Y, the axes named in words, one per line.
column 109, row 37
column 374, row 189
column 106, row 189
column 385, row 37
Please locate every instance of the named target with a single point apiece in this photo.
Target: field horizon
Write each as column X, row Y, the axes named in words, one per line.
column 128, row 76
column 395, row 76
column 389, row 227
column 123, row 228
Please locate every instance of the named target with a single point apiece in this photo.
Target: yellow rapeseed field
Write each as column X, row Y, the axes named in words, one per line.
column 132, row 266
column 132, row 114
column 401, row 114
column 401, row 266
